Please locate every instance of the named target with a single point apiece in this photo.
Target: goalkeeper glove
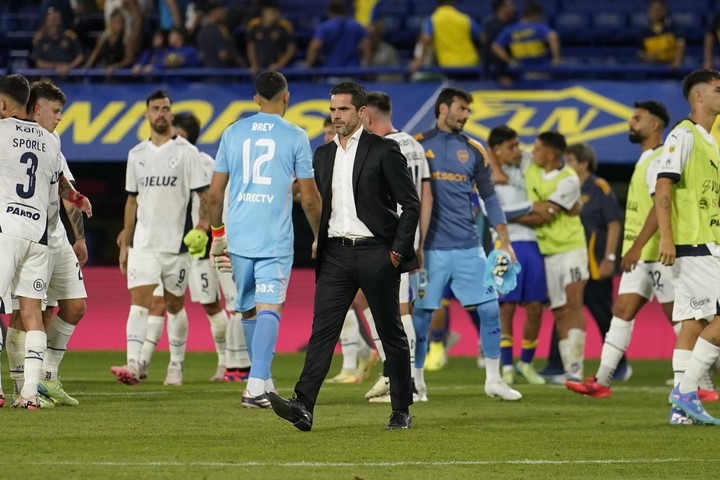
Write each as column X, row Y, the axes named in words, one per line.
column 218, row 250
column 196, row 241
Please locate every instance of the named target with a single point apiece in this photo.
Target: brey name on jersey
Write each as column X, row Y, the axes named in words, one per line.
column 158, row 181
column 262, row 126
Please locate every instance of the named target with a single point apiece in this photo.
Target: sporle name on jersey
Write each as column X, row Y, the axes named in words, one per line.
column 157, row 181
column 24, row 143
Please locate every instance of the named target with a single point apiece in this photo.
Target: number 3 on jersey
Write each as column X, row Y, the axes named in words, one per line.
column 259, row 161
column 32, row 159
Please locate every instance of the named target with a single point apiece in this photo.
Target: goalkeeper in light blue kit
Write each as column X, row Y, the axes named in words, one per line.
column 260, row 156
column 452, row 251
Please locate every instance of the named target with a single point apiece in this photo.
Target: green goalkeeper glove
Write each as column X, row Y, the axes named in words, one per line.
column 196, row 241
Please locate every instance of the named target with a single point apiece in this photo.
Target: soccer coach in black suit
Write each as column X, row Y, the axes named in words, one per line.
column 362, row 243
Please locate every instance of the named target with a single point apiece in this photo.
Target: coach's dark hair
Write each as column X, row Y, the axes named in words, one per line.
column 447, row 95
column 47, row 90
column 16, row 87
column 190, row 123
column 702, row 75
column 584, row 153
column 381, row 101
column 500, row 135
column 270, row 84
column 657, row 109
column 553, row 140
column 356, row 91
column 157, row 95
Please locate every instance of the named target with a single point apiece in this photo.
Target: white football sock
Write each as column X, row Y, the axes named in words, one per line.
column 155, row 325
column 15, row 346
column 703, row 356
column 576, row 337
column 235, row 346
column 2, row 345
column 410, row 333
column 35, row 346
column 135, row 330
column 218, row 328
column 680, row 361
column 177, row 330
column 376, row 337
column 349, row 341
column 58, row 336
column 255, row 386
column 616, row 342
column 565, row 356
column 492, row 370
column 269, row 385
column 419, row 376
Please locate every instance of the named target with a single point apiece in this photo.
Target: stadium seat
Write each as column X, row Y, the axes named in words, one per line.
column 691, row 23
column 609, row 25
column 571, row 25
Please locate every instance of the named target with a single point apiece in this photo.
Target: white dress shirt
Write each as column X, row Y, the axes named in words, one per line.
column 344, row 221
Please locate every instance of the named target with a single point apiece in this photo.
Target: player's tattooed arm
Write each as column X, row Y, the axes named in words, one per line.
column 204, row 220
column 68, row 192
column 77, row 224
column 76, row 219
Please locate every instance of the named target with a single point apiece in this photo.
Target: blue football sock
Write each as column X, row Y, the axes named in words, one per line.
column 263, row 342
column 528, row 350
column 248, row 325
column 490, row 328
column 421, row 322
column 437, row 334
column 506, row 349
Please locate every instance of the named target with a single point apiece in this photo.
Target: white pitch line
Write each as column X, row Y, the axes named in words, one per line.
column 438, row 463
column 622, row 388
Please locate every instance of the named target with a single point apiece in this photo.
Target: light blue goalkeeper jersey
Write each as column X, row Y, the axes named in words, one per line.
column 263, row 154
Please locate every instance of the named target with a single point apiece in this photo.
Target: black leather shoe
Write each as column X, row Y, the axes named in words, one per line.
column 399, row 420
column 292, row 410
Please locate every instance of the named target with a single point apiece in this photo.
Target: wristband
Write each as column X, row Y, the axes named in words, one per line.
column 76, row 198
column 218, row 231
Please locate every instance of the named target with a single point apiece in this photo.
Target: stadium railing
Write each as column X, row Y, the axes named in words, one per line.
column 630, row 72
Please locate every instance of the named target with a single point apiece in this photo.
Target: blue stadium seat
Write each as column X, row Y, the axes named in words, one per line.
column 571, row 25
column 691, row 23
column 638, row 20
column 609, row 25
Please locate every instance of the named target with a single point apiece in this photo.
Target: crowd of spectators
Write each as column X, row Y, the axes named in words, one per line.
column 150, row 36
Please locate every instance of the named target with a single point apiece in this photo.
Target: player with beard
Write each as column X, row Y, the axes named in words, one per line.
column 161, row 175
column 452, row 253
column 643, row 275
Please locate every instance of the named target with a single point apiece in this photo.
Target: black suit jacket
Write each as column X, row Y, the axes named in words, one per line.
column 381, row 181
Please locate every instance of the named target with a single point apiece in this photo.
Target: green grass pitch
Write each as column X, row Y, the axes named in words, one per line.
column 200, row 430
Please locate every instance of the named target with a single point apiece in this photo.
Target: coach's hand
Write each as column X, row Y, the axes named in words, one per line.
column 218, row 250
column 196, row 241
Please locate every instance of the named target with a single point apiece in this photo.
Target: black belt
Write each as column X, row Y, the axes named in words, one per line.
column 354, row 242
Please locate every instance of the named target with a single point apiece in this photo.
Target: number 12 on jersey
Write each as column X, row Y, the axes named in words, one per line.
column 257, row 178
